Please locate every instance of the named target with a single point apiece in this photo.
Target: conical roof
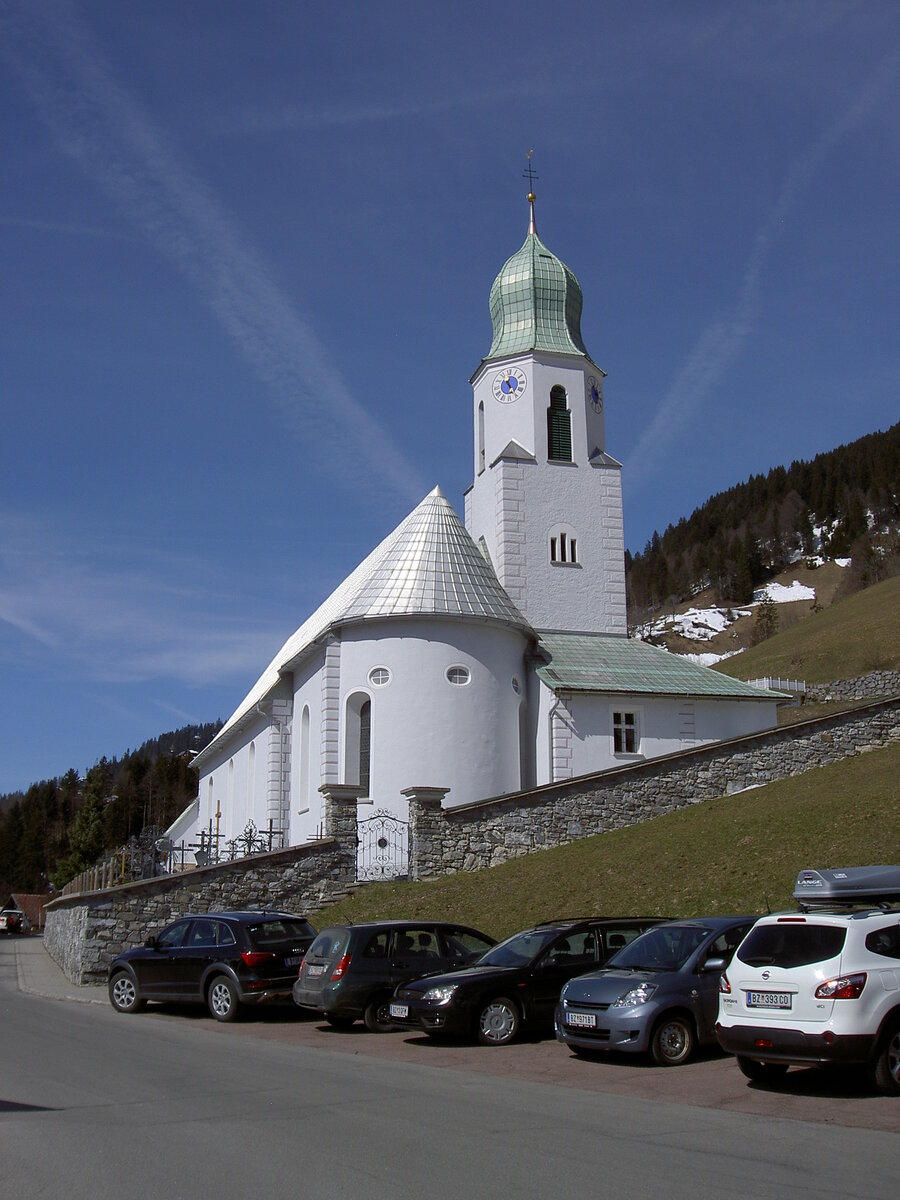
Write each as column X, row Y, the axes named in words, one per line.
column 535, row 302
column 428, row 566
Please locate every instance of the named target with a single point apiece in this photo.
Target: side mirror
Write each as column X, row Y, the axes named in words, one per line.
column 150, row 943
column 714, row 964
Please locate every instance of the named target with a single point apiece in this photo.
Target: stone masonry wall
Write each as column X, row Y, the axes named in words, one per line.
column 84, row 933
column 862, row 687
column 443, row 841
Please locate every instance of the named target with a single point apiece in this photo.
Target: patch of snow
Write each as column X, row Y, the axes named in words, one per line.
column 697, row 624
column 780, row 594
column 843, row 562
column 709, row 659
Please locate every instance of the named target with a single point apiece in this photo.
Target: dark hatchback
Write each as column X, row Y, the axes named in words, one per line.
column 223, row 960
column 517, row 981
column 351, row 971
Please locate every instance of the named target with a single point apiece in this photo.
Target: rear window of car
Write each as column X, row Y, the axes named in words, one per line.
column 330, row 943
column 791, row 945
column 267, row 933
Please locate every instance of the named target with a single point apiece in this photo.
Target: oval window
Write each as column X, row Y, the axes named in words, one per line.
column 459, row 676
column 379, row 677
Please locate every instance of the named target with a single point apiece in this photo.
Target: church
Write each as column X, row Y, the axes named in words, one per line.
column 484, row 657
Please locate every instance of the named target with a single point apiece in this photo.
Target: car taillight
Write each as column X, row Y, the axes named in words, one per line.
column 341, row 967
column 724, row 985
column 254, row 957
column 848, row 987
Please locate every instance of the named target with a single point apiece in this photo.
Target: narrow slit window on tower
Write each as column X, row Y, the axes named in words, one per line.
column 559, row 427
column 563, row 547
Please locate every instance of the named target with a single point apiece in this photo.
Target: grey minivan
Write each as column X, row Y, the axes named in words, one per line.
column 351, row 971
column 658, row 994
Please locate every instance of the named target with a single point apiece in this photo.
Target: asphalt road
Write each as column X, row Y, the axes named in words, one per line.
column 170, row 1104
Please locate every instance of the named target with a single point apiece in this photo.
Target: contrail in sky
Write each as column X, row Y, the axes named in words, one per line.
column 101, row 128
column 722, row 341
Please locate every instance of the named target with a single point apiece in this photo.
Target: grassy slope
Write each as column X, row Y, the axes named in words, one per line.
column 731, row 855
column 854, row 636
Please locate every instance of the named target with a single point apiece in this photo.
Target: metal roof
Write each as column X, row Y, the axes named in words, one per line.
column 428, row 566
column 535, row 303
column 583, row 662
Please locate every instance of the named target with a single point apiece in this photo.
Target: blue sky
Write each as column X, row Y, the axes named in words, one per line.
column 247, row 250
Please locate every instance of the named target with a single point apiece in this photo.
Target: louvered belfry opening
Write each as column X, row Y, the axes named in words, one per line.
column 559, row 427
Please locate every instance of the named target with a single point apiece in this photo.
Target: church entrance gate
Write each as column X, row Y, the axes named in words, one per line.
column 383, row 847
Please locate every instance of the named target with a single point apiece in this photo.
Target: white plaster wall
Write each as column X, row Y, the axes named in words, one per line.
column 426, row 731
column 527, row 501
column 307, row 804
column 237, row 798
column 661, row 723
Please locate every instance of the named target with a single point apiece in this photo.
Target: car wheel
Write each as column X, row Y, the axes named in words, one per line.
column 672, row 1041
column 222, row 999
column 761, row 1072
column 123, row 993
column 498, row 1022
column 339, row 1022
column 886, row 1064
column 378, row 1015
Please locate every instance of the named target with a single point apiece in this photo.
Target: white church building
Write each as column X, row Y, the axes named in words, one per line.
column 480, row 658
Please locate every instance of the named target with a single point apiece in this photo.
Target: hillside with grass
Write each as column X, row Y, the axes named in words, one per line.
column 852, row 637
column 736, row 854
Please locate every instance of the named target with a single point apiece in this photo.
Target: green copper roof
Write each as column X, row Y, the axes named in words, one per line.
column 601, row 663
column 535, row 303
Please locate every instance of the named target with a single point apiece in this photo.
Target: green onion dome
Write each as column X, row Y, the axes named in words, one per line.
column 535, row 302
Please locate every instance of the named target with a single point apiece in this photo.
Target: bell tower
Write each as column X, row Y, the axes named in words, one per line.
column 546, row 501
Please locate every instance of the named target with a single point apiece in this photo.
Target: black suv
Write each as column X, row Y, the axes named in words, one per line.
column 517, row 981
column 351, row 971
column 222, row 960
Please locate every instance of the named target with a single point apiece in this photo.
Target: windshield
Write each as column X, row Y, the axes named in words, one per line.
column 664, row 948
column 518, row 950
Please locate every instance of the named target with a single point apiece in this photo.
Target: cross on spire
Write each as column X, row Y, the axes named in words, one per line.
column 531, row 175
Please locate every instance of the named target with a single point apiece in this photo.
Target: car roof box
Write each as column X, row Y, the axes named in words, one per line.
column 849, row 885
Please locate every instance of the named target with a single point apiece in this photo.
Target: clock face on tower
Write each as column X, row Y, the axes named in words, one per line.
column 509, row 385
column 594, row 394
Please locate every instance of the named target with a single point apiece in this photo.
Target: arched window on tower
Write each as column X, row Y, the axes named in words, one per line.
column 559, row 427
column 358, row 741
column 479, row 466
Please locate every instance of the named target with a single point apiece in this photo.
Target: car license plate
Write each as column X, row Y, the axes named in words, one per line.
column 582, row 1020
column 399, row 1010
column 293, row 960
column 312, row 969
column 769, row 999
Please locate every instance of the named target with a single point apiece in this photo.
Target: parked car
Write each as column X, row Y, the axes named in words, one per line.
column 517, row 982
column 660, row 994
column 820, row 985
column 351, row 971
column 13, row 920
column 224, row 960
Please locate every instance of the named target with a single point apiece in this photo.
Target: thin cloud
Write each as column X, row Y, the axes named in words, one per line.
column 100, row 127
column 719, row 345
column 105, row 613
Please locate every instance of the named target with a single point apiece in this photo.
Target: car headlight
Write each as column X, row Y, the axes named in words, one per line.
column 638, row 995
column 441, row 994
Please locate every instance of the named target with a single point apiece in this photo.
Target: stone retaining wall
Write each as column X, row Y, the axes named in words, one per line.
column 493, row 831
column 84, row 933
column 862, row 687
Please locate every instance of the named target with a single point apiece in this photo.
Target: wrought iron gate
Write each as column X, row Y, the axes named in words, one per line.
column 383, row 847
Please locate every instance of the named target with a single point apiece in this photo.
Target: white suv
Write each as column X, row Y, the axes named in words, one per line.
column 821, row 985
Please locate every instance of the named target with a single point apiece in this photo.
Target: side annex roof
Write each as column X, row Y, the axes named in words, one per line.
column 597, row 662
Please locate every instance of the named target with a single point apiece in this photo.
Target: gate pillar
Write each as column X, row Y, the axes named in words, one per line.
column 425, row 820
